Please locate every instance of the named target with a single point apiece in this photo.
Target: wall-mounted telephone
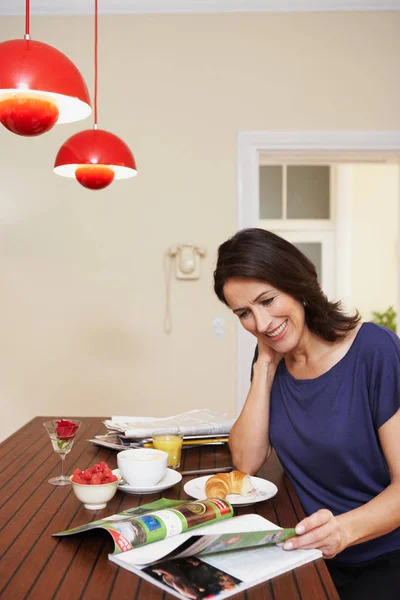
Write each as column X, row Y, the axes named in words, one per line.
column 187, row 266
column 187, row 260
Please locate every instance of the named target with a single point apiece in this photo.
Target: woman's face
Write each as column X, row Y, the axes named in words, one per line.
column 266, row 311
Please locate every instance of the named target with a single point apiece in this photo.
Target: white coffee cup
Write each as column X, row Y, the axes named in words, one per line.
column 142, row 467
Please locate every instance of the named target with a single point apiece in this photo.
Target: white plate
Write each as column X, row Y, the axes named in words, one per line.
column 170, row 478
column 264, row 489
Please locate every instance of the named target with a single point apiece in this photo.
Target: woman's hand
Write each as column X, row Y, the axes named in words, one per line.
column 320, row 530
column 266, row 354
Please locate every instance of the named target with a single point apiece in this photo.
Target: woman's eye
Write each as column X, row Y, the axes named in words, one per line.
column 244, row 314
column 267, row 301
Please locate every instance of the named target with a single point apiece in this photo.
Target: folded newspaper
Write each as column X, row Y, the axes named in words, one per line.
column 193, row 422
column 118, row 441
column 198, row 549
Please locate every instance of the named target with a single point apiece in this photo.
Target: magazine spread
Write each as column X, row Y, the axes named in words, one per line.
column 162, row 543
column 193, row 422
column 227, row 569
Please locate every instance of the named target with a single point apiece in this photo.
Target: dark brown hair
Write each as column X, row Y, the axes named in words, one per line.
column 262, row 255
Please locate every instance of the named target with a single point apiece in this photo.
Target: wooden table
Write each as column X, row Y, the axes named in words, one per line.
column 35, row 565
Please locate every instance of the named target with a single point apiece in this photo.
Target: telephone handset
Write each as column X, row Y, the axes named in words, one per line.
column 187, row 266
column 187, row 260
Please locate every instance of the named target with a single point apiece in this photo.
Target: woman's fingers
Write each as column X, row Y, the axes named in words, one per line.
column 265, row 352
column 315, row 520
column 328, row 550
column 315, row 537
column 319, row 530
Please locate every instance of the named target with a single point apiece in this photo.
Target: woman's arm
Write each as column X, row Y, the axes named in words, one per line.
column 375, row 518
column 381, row 514
column 249, row 437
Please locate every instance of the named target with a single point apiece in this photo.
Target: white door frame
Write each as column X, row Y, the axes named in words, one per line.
column 380, row 146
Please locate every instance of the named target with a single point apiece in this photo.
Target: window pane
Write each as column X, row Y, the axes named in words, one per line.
column 270, row 192
column 313, row 251
column 308, row 192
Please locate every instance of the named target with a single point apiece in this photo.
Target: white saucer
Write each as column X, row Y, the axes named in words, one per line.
column 170, row 478
column 263, row 489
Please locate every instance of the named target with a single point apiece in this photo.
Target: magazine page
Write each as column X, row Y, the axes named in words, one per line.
column 142, row 525
column 226, row 574
column 222, row 536
column 222, row 574
column 193, row 422
column 210, row 544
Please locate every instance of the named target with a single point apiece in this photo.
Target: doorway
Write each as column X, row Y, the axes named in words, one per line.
column 330, row 237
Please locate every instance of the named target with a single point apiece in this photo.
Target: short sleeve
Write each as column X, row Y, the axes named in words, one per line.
column 385, row 377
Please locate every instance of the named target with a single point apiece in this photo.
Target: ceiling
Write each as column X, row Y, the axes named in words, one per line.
column 47, row 7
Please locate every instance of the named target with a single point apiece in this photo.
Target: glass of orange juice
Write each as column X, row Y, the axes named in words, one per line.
column 169, row 440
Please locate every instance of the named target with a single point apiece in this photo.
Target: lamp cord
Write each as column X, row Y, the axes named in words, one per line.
column 96, row 40
column 27, row 20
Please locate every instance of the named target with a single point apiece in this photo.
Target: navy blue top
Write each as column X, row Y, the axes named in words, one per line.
column 324, row 431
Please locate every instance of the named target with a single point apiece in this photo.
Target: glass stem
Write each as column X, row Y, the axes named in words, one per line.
column 62, row 456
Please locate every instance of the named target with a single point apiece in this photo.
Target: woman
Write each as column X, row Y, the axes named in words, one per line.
column 325, row 394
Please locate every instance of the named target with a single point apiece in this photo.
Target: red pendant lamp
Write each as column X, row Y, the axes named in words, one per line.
column 39, row 86
column 95, row 157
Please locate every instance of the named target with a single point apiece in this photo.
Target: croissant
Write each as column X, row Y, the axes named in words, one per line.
column 222, row 484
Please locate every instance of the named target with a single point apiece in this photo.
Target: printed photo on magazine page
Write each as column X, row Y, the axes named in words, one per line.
column 192, row 578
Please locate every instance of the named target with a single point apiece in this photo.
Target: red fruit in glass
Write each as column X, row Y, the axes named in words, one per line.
column 62, row 434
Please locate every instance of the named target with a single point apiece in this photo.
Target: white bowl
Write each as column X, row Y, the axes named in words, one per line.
column 142, row 466
column 95, row 497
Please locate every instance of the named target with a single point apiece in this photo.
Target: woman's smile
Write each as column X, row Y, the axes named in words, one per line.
column 279, row 332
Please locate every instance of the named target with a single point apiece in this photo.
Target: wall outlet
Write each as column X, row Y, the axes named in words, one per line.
column 218, row 327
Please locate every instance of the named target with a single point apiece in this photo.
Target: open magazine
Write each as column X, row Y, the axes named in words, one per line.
column 198, row 549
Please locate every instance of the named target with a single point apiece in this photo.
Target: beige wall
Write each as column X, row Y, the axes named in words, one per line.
column 82, row 287
column 375, row 234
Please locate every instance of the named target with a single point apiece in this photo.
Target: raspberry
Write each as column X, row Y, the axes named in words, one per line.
column 96, row 475
column 88, row 474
